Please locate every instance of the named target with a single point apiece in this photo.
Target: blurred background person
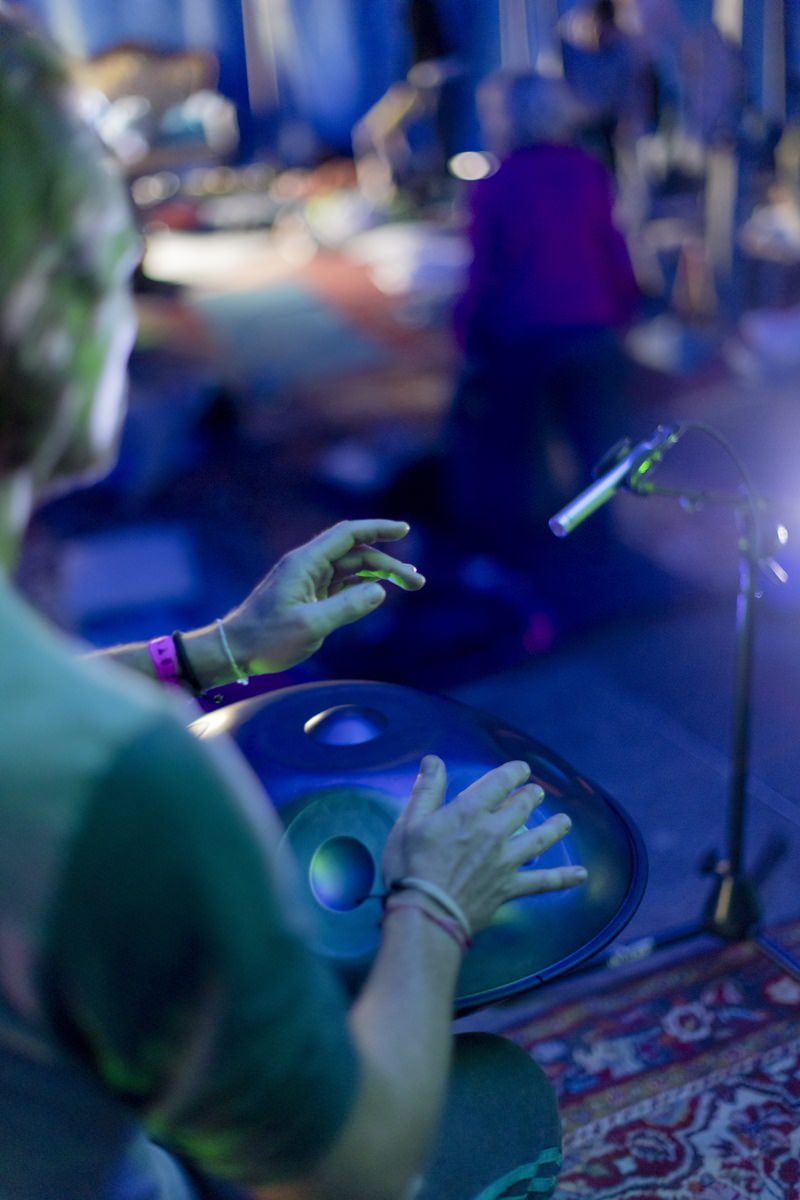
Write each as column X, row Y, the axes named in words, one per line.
column 607, row 74
column 541, row 394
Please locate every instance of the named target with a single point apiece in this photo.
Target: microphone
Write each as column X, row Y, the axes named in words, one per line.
column 636, row 461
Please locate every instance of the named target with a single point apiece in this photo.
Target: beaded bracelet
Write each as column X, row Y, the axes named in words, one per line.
column 449, row 927
column 239, row 674
column 442, row 898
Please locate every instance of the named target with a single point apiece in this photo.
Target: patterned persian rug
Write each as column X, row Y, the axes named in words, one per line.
column 684, row 1082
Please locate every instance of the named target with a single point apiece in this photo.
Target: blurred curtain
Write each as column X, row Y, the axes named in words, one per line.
column 86, row 27
column 331, row 59
column 792, row 18
column 328, row 61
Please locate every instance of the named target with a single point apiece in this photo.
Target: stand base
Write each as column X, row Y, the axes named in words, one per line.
column 732, row 913
column 732, row 910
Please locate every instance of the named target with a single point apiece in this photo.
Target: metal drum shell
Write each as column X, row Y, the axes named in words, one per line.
column 338, row 761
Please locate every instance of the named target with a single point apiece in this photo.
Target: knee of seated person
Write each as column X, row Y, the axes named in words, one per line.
column 489, row 1065
column 500, row 1126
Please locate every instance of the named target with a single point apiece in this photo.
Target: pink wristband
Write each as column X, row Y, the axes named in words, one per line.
column 165, row 659
column 450, row 927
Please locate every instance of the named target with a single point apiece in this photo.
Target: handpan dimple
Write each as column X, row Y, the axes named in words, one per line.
column 314, row 728
column 345, row 725
column 339, row 761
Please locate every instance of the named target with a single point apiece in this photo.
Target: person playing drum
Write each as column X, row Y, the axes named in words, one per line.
column 164, row 1031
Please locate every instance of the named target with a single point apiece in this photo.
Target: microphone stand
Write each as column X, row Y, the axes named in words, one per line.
column 732, row 910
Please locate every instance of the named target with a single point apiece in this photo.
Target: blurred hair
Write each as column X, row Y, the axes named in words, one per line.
column 536, row 108
column 55, row 263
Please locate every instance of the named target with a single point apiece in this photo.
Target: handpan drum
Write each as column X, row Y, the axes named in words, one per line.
column 339, row 760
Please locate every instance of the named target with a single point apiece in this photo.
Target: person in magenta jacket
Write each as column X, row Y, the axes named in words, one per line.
column 549, row 288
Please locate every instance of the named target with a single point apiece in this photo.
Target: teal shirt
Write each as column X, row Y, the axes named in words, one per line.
column 153, row 975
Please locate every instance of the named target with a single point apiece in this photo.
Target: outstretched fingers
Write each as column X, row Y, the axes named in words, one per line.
column 340, row 539
column 532, row 842
column 512, row 814
column 366, row 562
column 429, row 787
column 494, row 788
column 551, row 879
column 324, row 616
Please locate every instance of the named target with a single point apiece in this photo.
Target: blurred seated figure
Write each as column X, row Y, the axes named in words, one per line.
column 415, row 127
column 403, row 131
column 550, row 285
column 157, row 109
